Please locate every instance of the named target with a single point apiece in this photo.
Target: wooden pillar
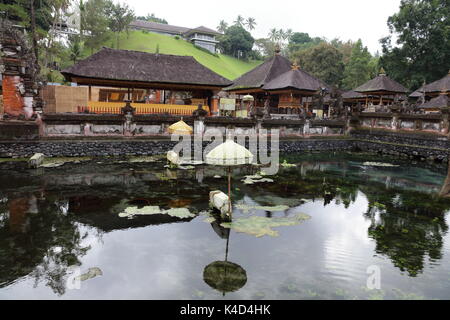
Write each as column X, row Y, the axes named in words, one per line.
column 214, row 107
column 90, row 93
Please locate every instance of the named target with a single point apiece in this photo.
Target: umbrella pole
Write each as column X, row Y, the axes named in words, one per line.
column 229, row 192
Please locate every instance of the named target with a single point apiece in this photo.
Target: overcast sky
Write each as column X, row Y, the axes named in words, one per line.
column 344, row 19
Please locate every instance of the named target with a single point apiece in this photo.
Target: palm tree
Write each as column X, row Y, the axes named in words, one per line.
column 223, row 26
column 273, row 34
column 281, row 35
column 251, row 23
column 239, row 20
column 75, row 50
column 289, row 34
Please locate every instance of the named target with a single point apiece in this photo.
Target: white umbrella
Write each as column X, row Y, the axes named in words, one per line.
column 229, row 154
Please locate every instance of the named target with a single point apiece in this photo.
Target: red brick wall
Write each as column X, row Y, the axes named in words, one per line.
column 12, row 99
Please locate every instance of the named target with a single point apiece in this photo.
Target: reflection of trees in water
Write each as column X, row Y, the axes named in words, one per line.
column 313, row 185
column 407, row 226
column 42, row 242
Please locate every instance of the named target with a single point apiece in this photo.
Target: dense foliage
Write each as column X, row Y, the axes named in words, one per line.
column 422, row 49
column 152, row 18
column 237, row 42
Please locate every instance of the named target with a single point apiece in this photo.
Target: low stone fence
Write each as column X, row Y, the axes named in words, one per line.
column 18, row 130
column 419, row 145
column 89, row 148
column 435, row 123
column 92, row 125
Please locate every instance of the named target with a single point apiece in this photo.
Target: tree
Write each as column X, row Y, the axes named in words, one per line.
column 265, row 47
column 300, row 41
column 20, row 11
column 288, row 34
column 222, row 26
column 237, row 42
column 251, row 23
column 152, row 18
column 75, row 49
column 323, row 61
column 300, row 38
column 95, row 21
column 121, row 15
column 239, row 21
column 422, row 50
column 273, row 34
column 346, row 48
column 357, row 71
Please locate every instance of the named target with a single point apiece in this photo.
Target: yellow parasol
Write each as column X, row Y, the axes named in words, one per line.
column 180, row 127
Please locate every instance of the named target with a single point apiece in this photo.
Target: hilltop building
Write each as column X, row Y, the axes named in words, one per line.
column 201, row 36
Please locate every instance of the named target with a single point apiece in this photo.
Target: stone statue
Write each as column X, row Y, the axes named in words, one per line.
column 267, row 108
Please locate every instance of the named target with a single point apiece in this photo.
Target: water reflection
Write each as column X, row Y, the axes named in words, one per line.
column 53, row 220
column 224, row 276
column 39, row 241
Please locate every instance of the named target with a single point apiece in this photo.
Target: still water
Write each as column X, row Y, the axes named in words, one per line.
column 63, row 234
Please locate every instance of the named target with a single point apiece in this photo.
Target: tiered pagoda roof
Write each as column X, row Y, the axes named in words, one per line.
column 381, row 85
column 256, row 78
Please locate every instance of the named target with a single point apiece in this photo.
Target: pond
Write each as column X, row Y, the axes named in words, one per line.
column 327, row 227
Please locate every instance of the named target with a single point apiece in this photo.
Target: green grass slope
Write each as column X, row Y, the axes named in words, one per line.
column 227, row 66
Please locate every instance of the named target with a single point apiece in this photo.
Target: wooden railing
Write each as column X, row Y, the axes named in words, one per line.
column 141, row 108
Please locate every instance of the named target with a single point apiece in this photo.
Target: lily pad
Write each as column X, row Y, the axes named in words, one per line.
column 191, row 162
column 145, row 211
column 209, row 220
column 256, row 179
column 247, row 208
column 52, row 165
column 261, row 226
column 92, row 273
column 275, row 200
column 142, row 159
column 181, row 213
column 380, row 164
column 186, row 167
column 285, row 164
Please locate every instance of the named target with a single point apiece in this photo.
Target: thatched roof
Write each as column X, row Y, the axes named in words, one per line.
column 352, row 95
column 136, row 66
column 439, row 102
column 381, row 84
column 417, row 94
column 357, row 95
column 262, row 74
column 442, row 85
column 295, row 79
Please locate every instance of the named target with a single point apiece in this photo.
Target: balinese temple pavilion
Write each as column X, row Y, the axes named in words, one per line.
column 352, row 98
column 165, row 83
column 435, row 95
column 278, row 83
column 379, row 88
